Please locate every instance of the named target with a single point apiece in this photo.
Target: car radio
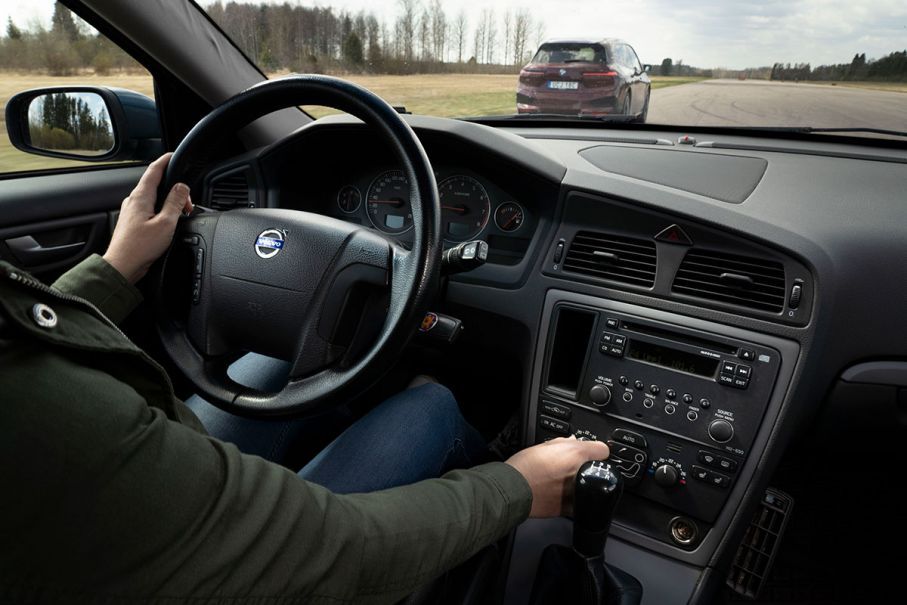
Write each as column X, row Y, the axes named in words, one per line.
column 678, row 407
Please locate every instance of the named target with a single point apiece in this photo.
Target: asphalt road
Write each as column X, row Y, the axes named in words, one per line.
column 762, row 103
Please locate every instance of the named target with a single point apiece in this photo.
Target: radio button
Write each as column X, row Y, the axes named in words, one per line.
column 607, row 338
column 623, row 380
column 670, row 393
column 628, row 397
column 670, row 409
column 629, row 437
column 705, row 403
column 747, row 354
column 612, row 323
column 728, row 368
column 741, row 383
column 744, row 371
column 687, row 398
column 648, row 402
column 620, row 340
column 615, row 351
column 726, row 380
column 654, row 389
column 600, row 395
column 639, row 385
column 692, row 415
column 721, row 431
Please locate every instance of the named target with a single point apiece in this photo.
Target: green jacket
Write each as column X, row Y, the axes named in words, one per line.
column 112, row 491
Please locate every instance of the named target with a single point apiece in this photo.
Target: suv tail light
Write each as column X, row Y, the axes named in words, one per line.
column 533, row 77
column 598, row 79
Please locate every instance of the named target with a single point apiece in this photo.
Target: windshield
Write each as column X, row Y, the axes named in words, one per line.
column 749, row 63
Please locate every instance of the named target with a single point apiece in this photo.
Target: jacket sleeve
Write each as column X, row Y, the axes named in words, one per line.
column 96, row 281
column 134, row 504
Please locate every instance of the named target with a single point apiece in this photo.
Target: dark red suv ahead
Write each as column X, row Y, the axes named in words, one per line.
column 584, row 77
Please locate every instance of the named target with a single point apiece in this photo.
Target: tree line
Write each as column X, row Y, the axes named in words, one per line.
column 67, row 46
column 891, row 68
column 423, row 37
column 64, row 121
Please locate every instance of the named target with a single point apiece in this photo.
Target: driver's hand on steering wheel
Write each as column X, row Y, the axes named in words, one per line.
column 141, row 236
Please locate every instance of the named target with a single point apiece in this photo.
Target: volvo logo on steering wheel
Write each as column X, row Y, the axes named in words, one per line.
column 269, row 243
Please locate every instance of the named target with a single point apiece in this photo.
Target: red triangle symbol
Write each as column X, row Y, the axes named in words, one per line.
column 673, row 236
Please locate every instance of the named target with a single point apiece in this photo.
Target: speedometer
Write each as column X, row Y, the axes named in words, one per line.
column 464, row 207
column 388, row 203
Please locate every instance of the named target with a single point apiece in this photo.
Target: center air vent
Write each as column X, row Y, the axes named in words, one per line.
column 625, row 259
column 231, row 190
column 745, row 281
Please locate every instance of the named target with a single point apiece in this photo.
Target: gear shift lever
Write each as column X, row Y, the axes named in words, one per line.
column 579, row 575
column 597, row 489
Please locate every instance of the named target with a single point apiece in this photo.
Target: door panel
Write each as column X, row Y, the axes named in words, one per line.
column 48, row 223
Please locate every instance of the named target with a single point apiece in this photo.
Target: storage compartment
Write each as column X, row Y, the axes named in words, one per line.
column 572, row 333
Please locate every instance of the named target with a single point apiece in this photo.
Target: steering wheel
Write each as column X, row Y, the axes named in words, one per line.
column 281, row 282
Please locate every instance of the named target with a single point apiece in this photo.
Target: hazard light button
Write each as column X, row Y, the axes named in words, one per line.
column 674, row 235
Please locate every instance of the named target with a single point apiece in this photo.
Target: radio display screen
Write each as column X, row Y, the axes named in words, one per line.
column 672, row 358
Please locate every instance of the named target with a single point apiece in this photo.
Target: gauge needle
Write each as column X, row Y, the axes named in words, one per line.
column 510, row 222
column 460, row 209
column 388, row 202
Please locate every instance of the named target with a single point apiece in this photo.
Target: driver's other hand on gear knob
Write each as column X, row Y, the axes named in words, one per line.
column 550, row 469
column 141, row 236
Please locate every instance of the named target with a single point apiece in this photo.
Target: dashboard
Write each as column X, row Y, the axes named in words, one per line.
column 689, row 303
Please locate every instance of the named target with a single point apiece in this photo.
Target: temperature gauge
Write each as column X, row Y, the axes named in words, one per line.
column 509, row 216
column 349, row 198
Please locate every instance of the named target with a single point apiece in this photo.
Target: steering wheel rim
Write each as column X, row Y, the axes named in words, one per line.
column 412, row 274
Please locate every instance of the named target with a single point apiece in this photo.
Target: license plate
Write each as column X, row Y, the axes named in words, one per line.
column 559, row 85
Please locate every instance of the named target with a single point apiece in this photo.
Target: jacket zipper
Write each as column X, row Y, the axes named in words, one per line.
column 36, row 285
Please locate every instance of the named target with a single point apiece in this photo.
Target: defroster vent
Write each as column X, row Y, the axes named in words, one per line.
column 745, row 281
column 615, row 257
column 231, row 190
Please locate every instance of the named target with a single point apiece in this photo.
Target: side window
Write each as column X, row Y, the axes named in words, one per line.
column 626, row 56
column 633, row 59
column 43, row 44
column 620, row 57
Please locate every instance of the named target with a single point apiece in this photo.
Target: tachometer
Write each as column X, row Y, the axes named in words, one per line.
column 388, row 203
column 464, row 207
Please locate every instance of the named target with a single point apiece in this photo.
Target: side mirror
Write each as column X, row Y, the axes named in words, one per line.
column 646, row 68
column 88, row 123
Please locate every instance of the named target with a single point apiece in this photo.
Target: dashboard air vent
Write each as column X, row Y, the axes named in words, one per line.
column 745, row 281
column 231, row 190
column 625, row 259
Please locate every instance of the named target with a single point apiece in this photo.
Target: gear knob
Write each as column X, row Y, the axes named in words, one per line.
column 597, row 488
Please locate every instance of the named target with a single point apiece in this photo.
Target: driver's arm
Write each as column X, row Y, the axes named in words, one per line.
column 109, row 499
column 141, row 237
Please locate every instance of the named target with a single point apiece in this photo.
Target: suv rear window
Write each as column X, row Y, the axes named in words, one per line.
column 569, row 53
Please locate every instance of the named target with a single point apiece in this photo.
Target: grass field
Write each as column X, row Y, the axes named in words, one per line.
column 436, row 94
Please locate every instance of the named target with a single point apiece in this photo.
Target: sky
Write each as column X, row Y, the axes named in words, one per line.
column 703, row 33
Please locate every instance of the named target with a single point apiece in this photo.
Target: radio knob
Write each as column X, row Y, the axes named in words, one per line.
column 721, row 431
column 600, row 394
column 666, row 475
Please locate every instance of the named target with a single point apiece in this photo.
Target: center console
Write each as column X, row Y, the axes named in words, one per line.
column 681, row 402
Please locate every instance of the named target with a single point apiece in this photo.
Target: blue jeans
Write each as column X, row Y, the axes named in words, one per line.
column 417, row 434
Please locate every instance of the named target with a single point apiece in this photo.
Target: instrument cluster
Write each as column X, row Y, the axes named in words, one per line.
column 471, row 208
